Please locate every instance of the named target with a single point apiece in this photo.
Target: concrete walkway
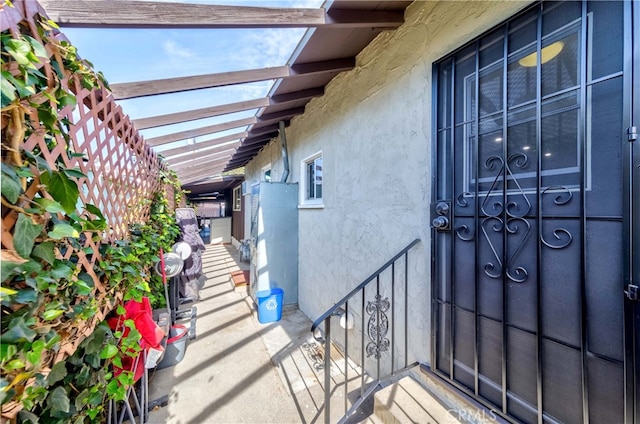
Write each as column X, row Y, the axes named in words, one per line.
column 238, row 370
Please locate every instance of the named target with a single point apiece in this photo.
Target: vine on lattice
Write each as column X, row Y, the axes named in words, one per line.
column 76, row 178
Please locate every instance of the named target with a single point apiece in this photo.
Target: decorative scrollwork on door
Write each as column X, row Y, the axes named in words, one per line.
column 562, row 236
column 500, row 219
column 378, row 326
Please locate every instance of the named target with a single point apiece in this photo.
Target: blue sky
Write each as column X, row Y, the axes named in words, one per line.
column 127, row 55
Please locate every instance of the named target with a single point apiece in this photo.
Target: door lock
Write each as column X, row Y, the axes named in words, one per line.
column 441, row 211
column 440, row 223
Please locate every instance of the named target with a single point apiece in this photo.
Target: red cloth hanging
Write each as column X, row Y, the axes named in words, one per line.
column 152, row 335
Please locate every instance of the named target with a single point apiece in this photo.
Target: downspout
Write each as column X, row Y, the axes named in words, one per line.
column 285, row 154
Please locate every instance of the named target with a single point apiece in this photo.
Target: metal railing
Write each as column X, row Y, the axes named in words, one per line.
column 380, row 358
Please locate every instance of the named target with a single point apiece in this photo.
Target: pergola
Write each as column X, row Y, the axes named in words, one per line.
column 334, row 36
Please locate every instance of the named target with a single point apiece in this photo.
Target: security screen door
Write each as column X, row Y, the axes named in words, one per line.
column 531, row 216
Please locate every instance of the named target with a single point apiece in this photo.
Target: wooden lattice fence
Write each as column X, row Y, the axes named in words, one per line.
column 121, row 170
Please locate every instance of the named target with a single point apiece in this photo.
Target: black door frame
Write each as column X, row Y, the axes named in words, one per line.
column 631, row 222
column 632, row 204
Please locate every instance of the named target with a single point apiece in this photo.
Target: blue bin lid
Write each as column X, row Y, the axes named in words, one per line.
column 270, row 292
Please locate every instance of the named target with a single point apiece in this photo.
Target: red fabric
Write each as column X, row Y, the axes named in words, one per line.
column 152, row 335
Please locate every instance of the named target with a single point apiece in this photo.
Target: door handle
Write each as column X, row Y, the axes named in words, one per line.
column 440, row 223
column 440, row 211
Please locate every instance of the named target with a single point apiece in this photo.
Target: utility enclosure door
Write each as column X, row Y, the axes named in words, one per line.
column 532, row 218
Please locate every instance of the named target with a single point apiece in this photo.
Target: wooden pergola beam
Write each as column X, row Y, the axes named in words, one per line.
column 269, row 118
column 205, row 146
column 150, row 14
column 247, row 154
column 209, row 112
column 130, row 90
column 192, row 115
column 219, row 179
column 257, row 139
column 324, row 66
column 201, row 179
column 297, row 95
column 196, row 165
column 207, row 171
column 194, row 160
column 261, row 130
column 183, row 135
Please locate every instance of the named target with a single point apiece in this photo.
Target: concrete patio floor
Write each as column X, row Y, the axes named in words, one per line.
column 237, row 370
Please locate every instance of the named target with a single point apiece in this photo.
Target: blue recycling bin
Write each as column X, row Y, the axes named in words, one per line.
column 270, row 305
column 205, row 234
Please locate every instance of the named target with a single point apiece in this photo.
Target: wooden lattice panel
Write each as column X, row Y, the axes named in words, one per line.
column 122, row 171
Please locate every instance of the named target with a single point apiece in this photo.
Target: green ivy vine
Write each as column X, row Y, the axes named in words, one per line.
column 45, row 294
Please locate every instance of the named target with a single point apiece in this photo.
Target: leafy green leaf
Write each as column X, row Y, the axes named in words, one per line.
column 93, row 412
column 8, row 269
column 81, row 399
column 109, row 351
column 15, row 364
column 18, row 332
column 8, row 90
column 49, row 205
column 61, row 271
column 48, row 116
column 52, row 341
column 94, row 210
column 28, row 417
column 74, row 173
column 58, row 401
column 57, row 373
column 52, row 314
column 114, row 389
column 34, row 356
column 39, row 160
column 26, row 296
column 19, row 50
column 95, row 399
column 45, row 251
column 117, row 361
column 92, row 360
column 125, row 378
column 61, row 231
column 25, row 233
column 5, row 291
column 24, row 88
column 38, row 48
column 81, row 288
column 7, row 351
column 11, row 186
column 6, row 394
column 62, row 189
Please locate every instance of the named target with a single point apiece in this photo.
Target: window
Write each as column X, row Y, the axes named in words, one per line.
column 517, row 116
column 237, row 198
column 311, row 184
column 266, row 174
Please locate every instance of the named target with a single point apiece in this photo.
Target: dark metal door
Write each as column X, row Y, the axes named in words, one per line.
column 533, row 216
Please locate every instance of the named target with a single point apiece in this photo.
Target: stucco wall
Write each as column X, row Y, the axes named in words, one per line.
column 373, row 128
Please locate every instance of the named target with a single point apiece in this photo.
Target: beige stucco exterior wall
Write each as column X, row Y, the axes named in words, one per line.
column 373, row 126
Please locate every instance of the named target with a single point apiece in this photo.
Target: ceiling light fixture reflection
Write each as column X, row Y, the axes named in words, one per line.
column 548, row 53
column 547, row 154
column 498, row 139
column 526, row 147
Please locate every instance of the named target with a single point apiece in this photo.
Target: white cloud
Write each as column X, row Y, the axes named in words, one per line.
column 175, row 50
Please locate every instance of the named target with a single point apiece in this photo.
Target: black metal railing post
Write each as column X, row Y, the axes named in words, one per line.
column 376, row 329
